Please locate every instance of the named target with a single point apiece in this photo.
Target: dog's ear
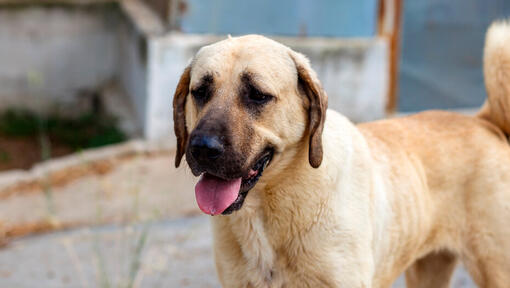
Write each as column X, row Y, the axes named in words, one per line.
column 179, row 104
column 310, row 84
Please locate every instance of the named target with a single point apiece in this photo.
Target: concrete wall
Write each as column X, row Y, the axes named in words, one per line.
column 132, row 67
column 353, row 73
column 168, row 56
column 51, row 53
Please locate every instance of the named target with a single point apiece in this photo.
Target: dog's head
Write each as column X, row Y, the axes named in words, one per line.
column 241, row 106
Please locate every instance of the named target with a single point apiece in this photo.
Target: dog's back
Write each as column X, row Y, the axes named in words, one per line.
column 454, row 170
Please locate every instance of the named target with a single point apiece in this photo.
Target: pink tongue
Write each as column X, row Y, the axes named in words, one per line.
column 214, row 194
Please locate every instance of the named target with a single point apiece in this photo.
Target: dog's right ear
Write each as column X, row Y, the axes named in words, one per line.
column 181, row 93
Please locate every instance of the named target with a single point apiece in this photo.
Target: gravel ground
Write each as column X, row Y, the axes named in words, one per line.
column 172, row 253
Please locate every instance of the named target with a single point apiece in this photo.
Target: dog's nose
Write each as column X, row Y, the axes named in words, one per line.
column 204, row 148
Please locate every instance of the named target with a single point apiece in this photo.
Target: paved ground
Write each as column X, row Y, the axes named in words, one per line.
column 130, row 183
column 120, row 184
column 174, row 253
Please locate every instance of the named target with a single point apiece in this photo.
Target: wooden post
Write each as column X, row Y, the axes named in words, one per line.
column 389, row 24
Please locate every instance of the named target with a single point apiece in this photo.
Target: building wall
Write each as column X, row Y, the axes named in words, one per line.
column 168, row 56
column 332, row 18
column 49, row 54
column 132, row 67
column 442, row 52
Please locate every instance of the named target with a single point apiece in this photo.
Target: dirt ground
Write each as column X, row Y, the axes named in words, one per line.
column 24, row 152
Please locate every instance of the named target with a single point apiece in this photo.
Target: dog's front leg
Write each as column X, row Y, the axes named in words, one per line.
column 327, row 258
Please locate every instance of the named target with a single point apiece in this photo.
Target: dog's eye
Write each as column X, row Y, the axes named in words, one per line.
column 259, row 97
column 200, row 94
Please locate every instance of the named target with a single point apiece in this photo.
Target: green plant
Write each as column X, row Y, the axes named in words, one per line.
column 137, row 255
column 82, row 132
column 4, row 156
column 19, row 123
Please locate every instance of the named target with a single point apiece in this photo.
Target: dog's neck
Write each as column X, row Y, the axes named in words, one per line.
column 280, row 201
column 269, row 212
column 299, row 189
column 280, row 195
column 290, row 204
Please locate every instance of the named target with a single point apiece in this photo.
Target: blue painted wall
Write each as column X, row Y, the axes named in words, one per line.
column 335, row 18
column 442, row 49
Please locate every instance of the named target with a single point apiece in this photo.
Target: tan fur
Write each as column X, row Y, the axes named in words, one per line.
column 497, row 73
column 412, row 193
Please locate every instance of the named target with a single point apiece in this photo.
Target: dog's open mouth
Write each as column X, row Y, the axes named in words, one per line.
column 217, row 195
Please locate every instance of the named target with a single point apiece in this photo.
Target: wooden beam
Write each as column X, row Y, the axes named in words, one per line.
column 389, row 25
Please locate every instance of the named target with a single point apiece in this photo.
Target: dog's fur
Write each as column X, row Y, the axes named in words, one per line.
column 411, row 194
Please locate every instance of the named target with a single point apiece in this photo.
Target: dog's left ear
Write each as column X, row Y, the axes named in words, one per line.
column 308, row 80
column 181, row 93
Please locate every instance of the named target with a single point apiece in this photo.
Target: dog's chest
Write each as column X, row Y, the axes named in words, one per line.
column 273, row 260
column 280, row 274
column 265, row 252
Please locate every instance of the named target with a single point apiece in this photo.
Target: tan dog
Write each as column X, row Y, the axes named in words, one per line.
column 341, row 205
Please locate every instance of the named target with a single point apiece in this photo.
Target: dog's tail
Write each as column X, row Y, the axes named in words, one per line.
column 496, row 66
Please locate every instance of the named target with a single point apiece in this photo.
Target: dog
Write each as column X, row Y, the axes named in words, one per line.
column 302, row 197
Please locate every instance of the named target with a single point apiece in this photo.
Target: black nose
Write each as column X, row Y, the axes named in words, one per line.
column 206, row 148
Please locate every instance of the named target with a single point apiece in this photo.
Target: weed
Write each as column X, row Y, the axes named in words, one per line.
column 136, row 260
column 4, row 156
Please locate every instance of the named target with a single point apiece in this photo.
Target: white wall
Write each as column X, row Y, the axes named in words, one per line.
column 168, row 55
